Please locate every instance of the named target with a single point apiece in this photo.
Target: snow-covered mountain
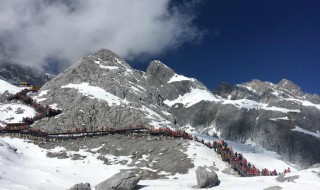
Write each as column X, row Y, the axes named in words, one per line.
column 280, row 117
column 103, row 90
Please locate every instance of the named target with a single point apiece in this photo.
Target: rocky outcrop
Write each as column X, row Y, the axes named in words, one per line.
column 206, row 177
column 170, row 84
column 125, row 180
column 282, row 178
column 81, row 186
column 273, row 188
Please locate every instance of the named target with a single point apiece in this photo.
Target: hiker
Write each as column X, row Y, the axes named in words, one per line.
column 245, row 162
column 266, row 171
column 215, row 144
column 274, row 172
column 256, row 172
column 287, row 171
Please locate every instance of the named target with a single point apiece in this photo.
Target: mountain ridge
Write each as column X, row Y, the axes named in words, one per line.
column 103, row 90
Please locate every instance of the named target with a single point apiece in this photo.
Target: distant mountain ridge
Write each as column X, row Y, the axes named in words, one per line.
column 103, row 90
column 14, row 73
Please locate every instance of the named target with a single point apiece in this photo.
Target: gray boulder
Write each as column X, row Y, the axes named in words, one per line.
column 282, row 178
column 206, row 177
column 81, row 186
column 273, row 188
column 125, row 180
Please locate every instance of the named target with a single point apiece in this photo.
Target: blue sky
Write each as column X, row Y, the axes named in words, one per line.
column 244, row 40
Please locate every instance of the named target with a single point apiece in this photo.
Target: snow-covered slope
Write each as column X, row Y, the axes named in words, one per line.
column 36, row 171
column 12, row 89
column 14, row 113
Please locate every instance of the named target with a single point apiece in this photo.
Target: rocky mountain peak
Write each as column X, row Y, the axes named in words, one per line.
column 158, row 73
column 290, row 86
column 105, row 55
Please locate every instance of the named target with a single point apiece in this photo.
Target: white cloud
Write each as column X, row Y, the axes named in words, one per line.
column 32, row 31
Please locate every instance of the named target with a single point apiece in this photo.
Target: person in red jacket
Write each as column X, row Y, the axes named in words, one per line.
column 288, row 170
column 245, row 162
column 256, row 172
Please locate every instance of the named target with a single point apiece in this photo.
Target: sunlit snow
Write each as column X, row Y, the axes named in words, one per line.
column 5, row 86
column 96, row 92
column 106, row 67
column 41, row 172
column 177, row 77
column 299, row 129
column 304, row 102
column 193, row 97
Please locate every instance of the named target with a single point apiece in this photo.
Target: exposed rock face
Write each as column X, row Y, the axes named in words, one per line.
column 269, row 114
column 13, row 73
column 103, row 90
column 168, row 82
column 274, row 129
column 206, row 177
column 146, row 154
column 282, row 178
column 81, row 186
column 125, row 180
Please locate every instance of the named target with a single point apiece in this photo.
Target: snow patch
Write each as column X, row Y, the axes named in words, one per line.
column 176, row 78
column 106, row 67
column 5, row 86
column 304, row 102
column 193, row 97
column 299, row 129
column 279, row 118
column 97, row 92
column 251, row 104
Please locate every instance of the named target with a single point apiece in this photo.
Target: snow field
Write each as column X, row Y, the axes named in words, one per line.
column 41, row 172
column 37, row 171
